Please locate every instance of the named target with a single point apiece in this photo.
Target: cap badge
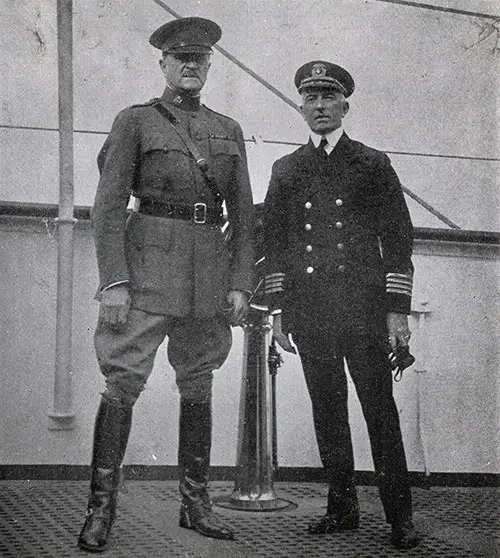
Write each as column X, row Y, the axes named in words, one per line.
column 318, row 70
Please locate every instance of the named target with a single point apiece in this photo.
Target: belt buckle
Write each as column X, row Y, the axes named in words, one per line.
column 200, row 213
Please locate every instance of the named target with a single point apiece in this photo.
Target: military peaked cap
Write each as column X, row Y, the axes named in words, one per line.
column 188, row 34
column 324, row 75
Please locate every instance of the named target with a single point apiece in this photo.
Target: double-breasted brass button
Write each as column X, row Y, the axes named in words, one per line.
column 309, row 248
column 340, row 246
column 308, row 205
column 338, row 202
column 310, row 269
column 339, row 225
column 308, row 226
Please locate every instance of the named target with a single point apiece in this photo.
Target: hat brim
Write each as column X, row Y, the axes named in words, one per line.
column 186, row 49
column 201, row 27
column 314, row 83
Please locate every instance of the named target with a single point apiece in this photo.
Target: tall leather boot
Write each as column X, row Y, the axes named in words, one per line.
column 195, row 435
column 112, row 428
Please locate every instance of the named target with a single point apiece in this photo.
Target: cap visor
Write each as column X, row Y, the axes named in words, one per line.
column 199, row 49
column 321, row 84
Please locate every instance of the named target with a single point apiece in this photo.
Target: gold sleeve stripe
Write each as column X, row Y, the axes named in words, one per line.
column 400, row 283
column 273, row 290
column 274, row 283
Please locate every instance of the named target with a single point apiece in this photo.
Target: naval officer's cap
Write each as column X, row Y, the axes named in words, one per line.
column 320, row 74
column 188, row 34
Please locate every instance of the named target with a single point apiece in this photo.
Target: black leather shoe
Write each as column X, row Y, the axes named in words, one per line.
column 334, row 522
column 403, row 535
column 202, row 519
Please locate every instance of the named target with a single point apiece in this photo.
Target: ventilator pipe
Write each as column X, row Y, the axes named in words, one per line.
column 257, row 454
column 61, row 417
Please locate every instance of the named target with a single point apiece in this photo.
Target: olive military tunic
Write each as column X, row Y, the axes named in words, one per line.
column 173, row 267
column 178, row 271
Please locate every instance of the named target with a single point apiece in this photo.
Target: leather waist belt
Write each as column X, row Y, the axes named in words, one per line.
column 197, row 213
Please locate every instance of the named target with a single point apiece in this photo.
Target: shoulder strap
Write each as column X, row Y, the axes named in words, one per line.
column 189, row 143
column 146, row 104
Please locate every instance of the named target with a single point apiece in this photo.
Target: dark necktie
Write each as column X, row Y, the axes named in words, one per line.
column 321, row 147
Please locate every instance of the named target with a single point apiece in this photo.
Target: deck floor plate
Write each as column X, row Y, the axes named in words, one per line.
column 42, row 519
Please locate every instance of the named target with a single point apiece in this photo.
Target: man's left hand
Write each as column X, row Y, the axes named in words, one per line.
column 399, row 332
column 238, row 301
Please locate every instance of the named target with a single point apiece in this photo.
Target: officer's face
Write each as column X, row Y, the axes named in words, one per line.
column 185, row 71
column 323, row 109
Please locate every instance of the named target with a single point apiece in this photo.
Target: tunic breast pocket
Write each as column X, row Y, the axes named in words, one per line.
column 224, row 153
column 165, row 165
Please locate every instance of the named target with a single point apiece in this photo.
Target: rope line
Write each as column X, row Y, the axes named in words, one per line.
column 418, row 199
column 429, row 208
column 273, row 142
column 440, row 8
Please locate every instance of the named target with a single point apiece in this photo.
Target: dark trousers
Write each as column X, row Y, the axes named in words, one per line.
column 323, row 364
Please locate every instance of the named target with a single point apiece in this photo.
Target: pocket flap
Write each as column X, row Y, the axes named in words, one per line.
column 144, row 230
column 165, row 144
column 220, row 145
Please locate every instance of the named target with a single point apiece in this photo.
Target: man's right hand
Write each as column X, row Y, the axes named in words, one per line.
column 115, row 304
column 281, row 338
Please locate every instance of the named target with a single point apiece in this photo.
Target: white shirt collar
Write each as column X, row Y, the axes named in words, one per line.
column 332, row 138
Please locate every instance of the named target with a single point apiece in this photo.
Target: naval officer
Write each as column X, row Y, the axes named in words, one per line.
column 338, row 248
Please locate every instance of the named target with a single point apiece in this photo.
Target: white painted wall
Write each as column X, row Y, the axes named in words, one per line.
column 420, row 88
column 457, row 347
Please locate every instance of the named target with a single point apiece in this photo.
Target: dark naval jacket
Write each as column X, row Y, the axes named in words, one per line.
column 337, row 234
column 173, row 266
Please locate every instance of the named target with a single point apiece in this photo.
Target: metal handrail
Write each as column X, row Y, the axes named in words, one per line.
column 82, row 213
